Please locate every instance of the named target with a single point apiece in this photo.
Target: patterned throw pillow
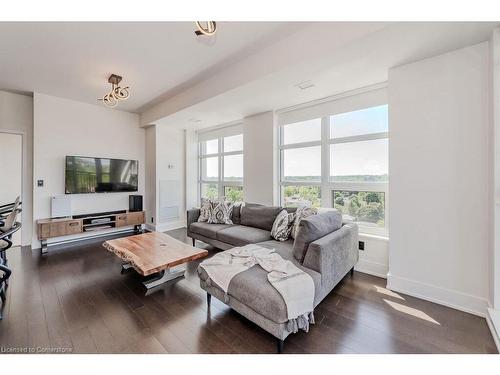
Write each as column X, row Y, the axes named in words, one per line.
column 204, row 210
column 301, row 213
column 282, row 226
column 220, row 213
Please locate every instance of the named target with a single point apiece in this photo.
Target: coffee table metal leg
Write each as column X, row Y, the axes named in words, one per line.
column 165, row 276
column 126, row 267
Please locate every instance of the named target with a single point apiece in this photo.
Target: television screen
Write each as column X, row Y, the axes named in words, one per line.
column 100, row 175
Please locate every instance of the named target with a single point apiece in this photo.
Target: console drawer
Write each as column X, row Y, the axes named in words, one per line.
column 135, row 218
column 57, row 229
column 43, row 231
column 121, row 220
column 73, row 227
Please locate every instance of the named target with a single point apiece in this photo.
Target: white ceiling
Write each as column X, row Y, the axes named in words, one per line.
column 250, row 67
column 362, row 58
column 74, row 60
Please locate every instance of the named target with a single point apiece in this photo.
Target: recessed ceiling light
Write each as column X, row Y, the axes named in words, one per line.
column 304, row 85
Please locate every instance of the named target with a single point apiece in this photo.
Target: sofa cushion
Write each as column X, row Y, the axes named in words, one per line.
column 207, row 230
column 252, row 288
column 312, row 228
column 240, row 235
column 258, row 216
column 284, row 249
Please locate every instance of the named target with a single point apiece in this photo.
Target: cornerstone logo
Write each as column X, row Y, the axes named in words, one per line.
column 34, row 350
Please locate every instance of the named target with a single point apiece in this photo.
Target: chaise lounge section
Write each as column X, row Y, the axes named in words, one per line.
column 324, row 248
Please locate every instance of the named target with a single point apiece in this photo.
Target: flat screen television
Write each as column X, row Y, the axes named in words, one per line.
column 100, row 175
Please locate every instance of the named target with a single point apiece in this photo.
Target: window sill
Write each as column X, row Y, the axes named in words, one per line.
column 377, row 237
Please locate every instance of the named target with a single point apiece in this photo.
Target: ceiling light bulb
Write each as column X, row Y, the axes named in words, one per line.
column 121, row 93
column 207, row 28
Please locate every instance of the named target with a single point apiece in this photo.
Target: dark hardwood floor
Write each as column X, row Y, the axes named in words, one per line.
column 75, row 299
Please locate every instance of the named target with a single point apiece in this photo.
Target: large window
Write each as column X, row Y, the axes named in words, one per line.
column 221, row 166
column 300, row 154
column 339, row 160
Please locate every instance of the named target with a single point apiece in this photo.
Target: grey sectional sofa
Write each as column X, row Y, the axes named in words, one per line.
column 324, row 247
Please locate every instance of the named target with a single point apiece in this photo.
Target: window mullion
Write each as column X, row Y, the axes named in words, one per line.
column 220, row 186
column 281, row 165
column 360, row 138
column 325, row 162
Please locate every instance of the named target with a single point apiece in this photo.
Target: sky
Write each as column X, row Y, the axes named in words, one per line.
column 233, row 164
column 354, row 158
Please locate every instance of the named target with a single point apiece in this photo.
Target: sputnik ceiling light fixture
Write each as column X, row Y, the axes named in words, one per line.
column 117, row 93
column 207, row 28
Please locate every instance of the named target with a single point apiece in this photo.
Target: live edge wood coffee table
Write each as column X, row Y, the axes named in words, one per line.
column 154, row 253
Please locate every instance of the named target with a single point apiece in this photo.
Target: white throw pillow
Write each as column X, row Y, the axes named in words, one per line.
column 220, row 213
column 204, row 210
column 282, row 226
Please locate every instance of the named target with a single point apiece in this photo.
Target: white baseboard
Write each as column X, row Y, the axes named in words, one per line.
column 447, row 297
column 493, row 320
column 162, row 227
column 372, row 268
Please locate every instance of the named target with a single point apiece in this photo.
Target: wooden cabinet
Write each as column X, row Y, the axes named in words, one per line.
column 130, row 218
column 43, row 231
column 121, row 220
column 51, row 228
column 74, row 227
column 135, row 218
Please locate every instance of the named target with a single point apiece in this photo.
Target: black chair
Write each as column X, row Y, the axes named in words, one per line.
column 5, row 272
column 8, row 226
column 9, row 207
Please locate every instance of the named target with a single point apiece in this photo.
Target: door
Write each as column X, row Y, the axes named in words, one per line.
column 11, row 151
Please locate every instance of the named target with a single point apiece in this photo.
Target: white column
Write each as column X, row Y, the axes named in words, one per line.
column 150, row 180
column 260, row 157
column 192, row 186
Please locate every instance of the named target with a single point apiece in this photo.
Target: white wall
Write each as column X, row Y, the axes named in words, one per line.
column 11, row 158
column 439, row 175
column 495, row 264
column 16, row 115
column 192, row 196
column 66, row 127
column 150, row 180
column 374, row 259
column 494, row 311
column 165, row 177
column 171, row 172
column 259, row 158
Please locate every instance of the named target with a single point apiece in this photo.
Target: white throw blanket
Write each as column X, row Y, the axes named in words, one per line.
column 295, row 286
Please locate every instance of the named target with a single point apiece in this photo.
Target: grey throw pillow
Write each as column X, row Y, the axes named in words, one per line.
column 282, row 226
column 313, row 228
column 220, row 213
column 236, row 217
column 259, row 216
column 301, row 213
